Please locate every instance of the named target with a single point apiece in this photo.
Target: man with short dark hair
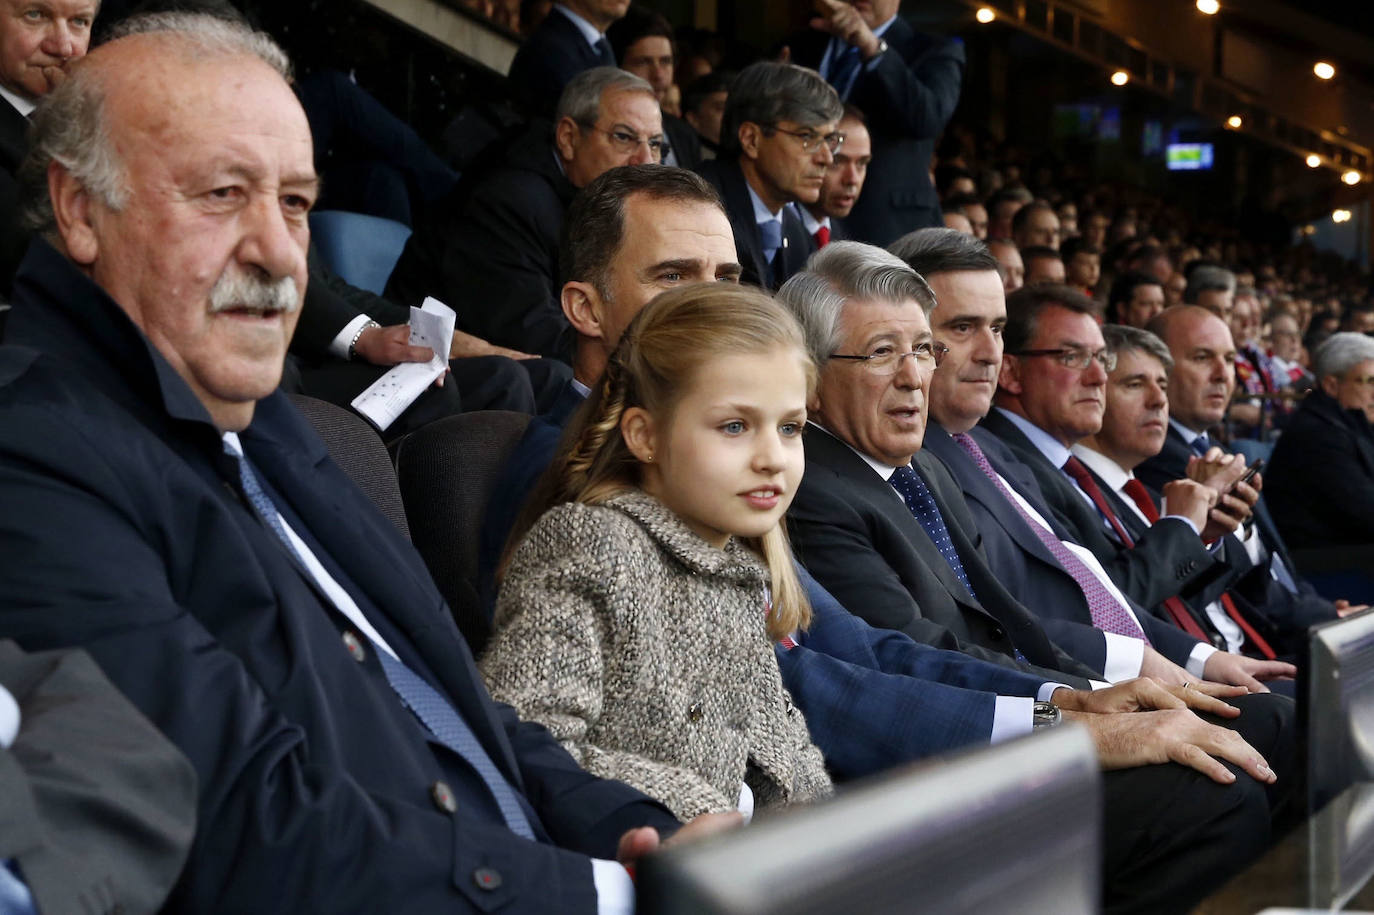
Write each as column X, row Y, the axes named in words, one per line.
column 1135, row 299
column 491, row 251
column 1043, row 265
column 703, row 107
column 972, row 208
column 1211, row 287
column 844, row 181
column 643, row 44
column 1082, row 264
column 1035, row 225
column 778, row 139
column 1009, row 259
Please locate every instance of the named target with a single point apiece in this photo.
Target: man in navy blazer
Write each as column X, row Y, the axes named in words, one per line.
column 907, row 85
column 572, row 38
column 778, row 138
column 167, row 510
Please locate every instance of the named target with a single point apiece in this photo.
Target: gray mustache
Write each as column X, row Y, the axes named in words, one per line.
column 237, row 288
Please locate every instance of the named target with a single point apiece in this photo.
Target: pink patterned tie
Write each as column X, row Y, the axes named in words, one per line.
column 1107, row 612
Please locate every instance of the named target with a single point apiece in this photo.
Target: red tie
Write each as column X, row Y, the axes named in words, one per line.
column 1141, row 497
column 822, row 236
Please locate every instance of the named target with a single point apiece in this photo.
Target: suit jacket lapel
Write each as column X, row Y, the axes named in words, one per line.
column 740, row 208
column 14, row 138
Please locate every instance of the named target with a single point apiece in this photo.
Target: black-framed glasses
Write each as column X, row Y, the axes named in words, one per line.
column 887, row 360
column 1073, row 357
column 625, row 141
column 810, row 139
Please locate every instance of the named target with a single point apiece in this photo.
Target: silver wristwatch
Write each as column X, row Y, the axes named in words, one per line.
column 1045, row 715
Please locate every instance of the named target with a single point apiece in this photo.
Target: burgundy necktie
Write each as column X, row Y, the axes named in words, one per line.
column 822, row 237
column 1141, row 497
column 1107, row 612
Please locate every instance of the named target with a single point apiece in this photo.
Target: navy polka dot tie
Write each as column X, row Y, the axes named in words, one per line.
column 918, row 498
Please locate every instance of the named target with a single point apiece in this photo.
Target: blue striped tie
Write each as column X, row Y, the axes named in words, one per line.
column 434, row 711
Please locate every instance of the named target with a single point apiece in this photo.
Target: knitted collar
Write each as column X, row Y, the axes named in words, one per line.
column 736, row 561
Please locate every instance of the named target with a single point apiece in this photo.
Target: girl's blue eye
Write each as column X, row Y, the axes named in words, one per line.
column 734, row 427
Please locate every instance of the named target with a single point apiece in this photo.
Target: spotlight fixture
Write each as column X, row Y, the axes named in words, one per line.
column 1340, row 215
column 1351, row 177
column 1323, row 70
column 1234, row 122
column 1313, row 160
column 985, row 14
column 1120, row 78
column 1210, row 7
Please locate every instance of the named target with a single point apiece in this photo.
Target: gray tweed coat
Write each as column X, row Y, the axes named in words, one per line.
column 643, row 649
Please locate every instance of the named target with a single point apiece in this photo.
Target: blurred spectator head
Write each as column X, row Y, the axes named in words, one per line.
column 1035, row 226
column 956, row 220
column 1153, row 260
column 1358, row 319
column 1013, row 268
column 844, row 180
column 703, row 104
column 1055, row 366
column 1344, row 366
column 968, row 317
column 1002, row 208
column 643, row 43
column 630, row 234
column 1285, row 339
column 1136, row 420
column 1204, row 375
column 1245, row 316
column 38, row 39
column 1211, row 287
column 953, row 180
column 1067, row 211
column 849, row 295
column 606, row 117
column 1043, row 265
column 973, row 208
column 1135, row 299
column 1093, row 227
column 781, row 122
column 1082, row 263
column 600, row 13
column 1174, row 289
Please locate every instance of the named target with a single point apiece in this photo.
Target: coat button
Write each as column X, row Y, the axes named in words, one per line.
column 694, row 713
column 443, row 797
column 354, row 646
column 486, row 878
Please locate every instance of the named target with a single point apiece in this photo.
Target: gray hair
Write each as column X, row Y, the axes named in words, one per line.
column 1207, row 278
column 70, row 128
column 1122, row 338
column 581, row 98
column 1340, row 353
column 939, row 250
column 842, row 271
column 767, row 92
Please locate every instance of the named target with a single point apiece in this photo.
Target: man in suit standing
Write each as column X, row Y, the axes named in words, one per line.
column 34, row 54
column 907, row 84
column 167, row 510
column 491, row 251
column 643, row 44
column 844, row 181
column 778, row 139
column 572, row 38
column 1067, row 586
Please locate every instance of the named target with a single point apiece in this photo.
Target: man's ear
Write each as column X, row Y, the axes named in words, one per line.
column 1009, row 378
column 582, row 308
column 72, row 205
column 750, row 136
column 637, row 427
column 565, row 138
column 1331, row 385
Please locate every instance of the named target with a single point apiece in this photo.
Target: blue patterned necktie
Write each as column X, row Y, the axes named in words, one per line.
column 770, row 237
column 918, row 498
column 1200, row 445
column 435, row 712
column 603, row 51
column 844, row 69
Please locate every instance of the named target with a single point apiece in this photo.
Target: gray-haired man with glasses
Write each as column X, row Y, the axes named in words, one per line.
column 778, row 138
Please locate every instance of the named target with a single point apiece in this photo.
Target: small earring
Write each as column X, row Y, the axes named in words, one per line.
column 649, row 459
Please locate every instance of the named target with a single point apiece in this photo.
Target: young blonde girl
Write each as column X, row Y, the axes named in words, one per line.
column 634, row 618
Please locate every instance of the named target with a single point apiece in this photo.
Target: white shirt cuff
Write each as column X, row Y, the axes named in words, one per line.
column 1047, row 690
column 615, row 891
column 338, row 347
column 1011, row 717
column 1197, row 658
column 9, row 718
column 1125, row 654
